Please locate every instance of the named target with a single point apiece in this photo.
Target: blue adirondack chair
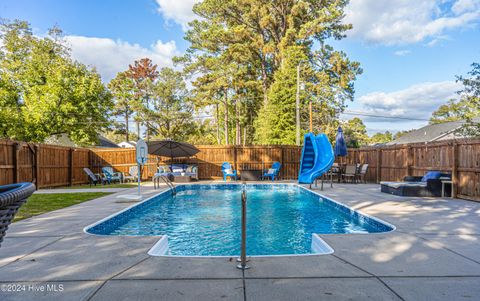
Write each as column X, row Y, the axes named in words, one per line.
column 228, row 171
column 272, row 172
column 111, row 176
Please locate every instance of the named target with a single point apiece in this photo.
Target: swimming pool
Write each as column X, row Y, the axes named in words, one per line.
column 204, row 220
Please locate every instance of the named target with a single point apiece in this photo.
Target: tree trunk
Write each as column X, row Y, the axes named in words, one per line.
column 238, row 136
column 217, row 117
column 226, row 118
column 244, row 135
column 126, row 126
column 146, row 123
column 264, row 82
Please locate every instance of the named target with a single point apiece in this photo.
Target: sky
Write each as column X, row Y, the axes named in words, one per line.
column 410, row 50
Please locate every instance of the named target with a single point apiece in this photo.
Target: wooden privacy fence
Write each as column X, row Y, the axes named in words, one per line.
column 209, row 159
column 461, row 158
column 49, row 166
column 45, row 165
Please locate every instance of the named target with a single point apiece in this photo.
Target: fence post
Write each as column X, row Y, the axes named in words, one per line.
column 90, row 163
column 282, row 162
column 70, row 166
column 235, row 157
column 454, row 169
column 409, row 160
column 16, row 165
column 379, row 165
column 37, row 166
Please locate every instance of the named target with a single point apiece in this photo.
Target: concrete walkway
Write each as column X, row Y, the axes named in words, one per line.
column 433, row 255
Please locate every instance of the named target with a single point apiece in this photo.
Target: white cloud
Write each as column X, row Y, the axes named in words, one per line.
column 408, row 21
column 178, row 11
column 402, row 52
column 110, row 56
column 417, row 101
column 462, row 6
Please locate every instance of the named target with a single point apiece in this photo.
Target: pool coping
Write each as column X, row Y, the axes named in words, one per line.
column 161, row 246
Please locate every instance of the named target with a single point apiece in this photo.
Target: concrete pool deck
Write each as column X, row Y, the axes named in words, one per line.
column 434, row 254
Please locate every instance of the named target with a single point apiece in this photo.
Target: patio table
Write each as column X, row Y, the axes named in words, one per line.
column 250, row 174
column 182, row 179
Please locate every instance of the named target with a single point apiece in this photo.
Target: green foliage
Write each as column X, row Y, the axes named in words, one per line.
column 467, row 107
column 170, row 114
column 276, row 120
column 238, row 47
column 43, row 92
column 381, row 138
column 453, row 110
column 355, row 133
column 124, row 93
column 143, row 73
column 118, row 134
column 400, row 134
column 204, row 134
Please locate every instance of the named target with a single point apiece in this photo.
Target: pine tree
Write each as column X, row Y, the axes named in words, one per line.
column 276, row 120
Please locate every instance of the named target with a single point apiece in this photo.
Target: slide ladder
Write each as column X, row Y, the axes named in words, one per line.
column 317, row 158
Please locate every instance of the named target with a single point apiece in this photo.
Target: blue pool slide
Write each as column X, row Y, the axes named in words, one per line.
column 317, row 158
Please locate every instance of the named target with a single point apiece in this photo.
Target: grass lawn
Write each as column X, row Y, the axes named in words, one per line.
column 42, row 203
column 114, row 185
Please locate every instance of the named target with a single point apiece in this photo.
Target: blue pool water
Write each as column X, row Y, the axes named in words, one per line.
column 205, row 220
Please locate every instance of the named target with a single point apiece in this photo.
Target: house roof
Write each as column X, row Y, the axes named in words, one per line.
column 431, row 132
column 127, row 143
column 104, row 142
column 64, row 140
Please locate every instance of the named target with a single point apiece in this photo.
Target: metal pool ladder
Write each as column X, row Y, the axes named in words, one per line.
column 243, row 249
column 169, row 184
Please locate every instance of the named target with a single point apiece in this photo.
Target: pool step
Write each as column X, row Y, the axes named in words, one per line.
column 160, row 248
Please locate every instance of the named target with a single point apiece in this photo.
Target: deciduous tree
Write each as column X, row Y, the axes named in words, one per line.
column 44, row 92
column 467, row 107
column 171, row 110
column 381, row 138
column 355, row 133
column 125, row 97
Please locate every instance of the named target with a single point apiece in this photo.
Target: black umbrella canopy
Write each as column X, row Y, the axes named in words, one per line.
column 171, row 148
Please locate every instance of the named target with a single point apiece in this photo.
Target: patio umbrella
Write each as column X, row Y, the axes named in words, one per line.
column 171, row 148
column 340, row 149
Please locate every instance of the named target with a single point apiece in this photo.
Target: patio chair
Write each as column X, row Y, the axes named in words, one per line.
column 110, row 175
column 361, row 175
column 132, row 174
column 228, row 171
column 273, row 172
column 12, row 197
column 350, row 173
column 333, row 172
column 192, row 171
column 162, row 171
column 92, row 178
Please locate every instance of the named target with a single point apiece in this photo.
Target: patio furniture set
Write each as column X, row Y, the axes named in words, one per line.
column 179, row 173
column 432, row 184
column 108, row 176
column 353, row 173
column 249, row 174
